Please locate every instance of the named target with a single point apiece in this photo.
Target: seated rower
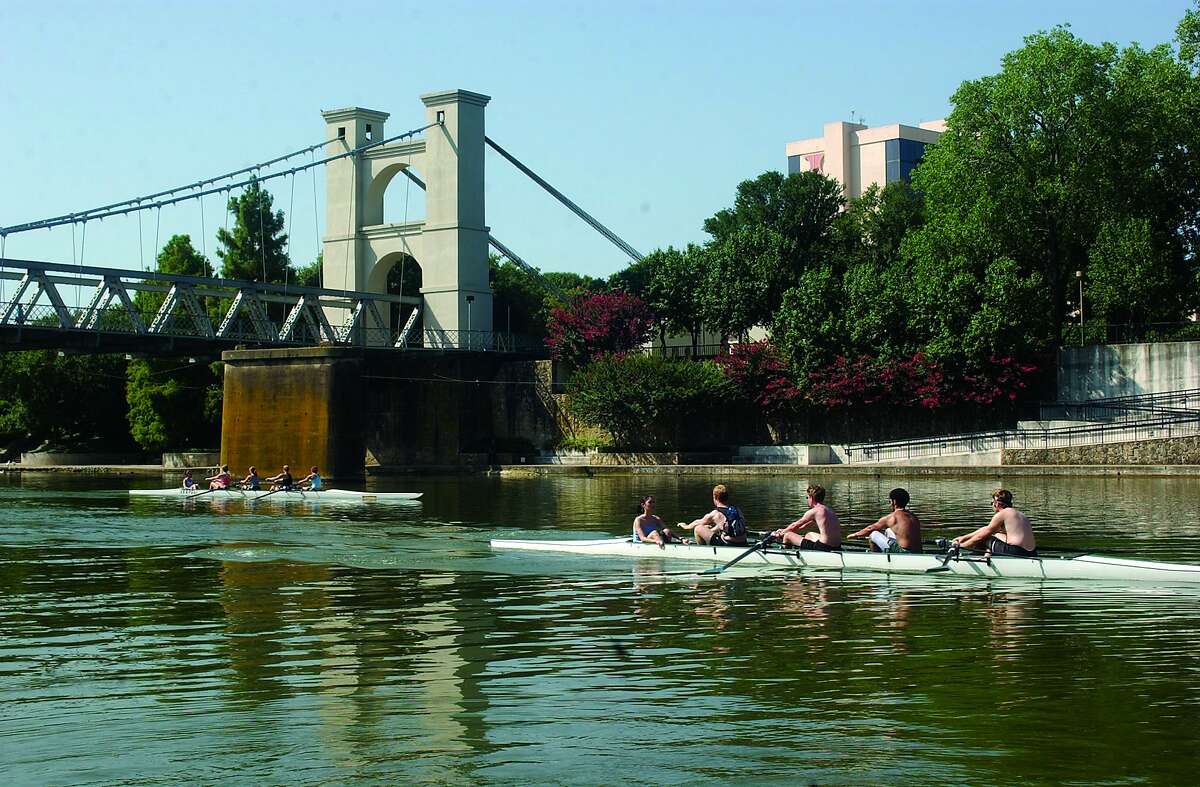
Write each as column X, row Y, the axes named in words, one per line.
column 724, row 525
column 283, row 481
column 899, row 531
column 1009, row 533
column 648, row 526
column 828, row 537
column 251, row 482
column 312, row 480
column 221, row 480
column 188, row 481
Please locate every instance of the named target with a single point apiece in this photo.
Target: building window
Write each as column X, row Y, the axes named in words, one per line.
column 794, row 164
column 901, row 158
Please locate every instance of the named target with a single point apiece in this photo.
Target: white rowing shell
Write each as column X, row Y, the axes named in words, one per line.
column 293, row 494
column 1095, row 567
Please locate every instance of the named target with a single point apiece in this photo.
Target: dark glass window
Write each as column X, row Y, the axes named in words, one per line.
column 901, row 157
column 794, row 164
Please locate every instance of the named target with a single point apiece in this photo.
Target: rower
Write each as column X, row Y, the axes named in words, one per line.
column 897, row 532
column 188, row 481
column 283, row 481
column 723, row 525
column 313, row 480
column 828, row 537
column 1009, row 533
column 221, row 480
column 648, row 526
column 251, row 482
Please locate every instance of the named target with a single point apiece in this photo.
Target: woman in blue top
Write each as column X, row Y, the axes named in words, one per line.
column 313, row 480
column 648, row 526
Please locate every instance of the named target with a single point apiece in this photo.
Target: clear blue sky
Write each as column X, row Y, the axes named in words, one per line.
column 646, row 114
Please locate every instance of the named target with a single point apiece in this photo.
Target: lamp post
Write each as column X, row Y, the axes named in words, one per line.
column 1079, row 277
column 470, row 300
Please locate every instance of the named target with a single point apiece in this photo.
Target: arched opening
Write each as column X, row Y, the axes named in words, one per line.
column 397, row 274
column 406, row 202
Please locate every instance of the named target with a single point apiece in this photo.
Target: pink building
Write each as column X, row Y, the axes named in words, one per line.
column 857, row 156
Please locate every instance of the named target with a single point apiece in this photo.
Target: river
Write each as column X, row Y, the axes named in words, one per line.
column 147, row 640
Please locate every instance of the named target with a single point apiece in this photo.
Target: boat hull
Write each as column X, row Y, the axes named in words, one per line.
column 294, row 494
column 1091, row 567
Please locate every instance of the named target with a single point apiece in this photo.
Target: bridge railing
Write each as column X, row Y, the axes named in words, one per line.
column 66, row 299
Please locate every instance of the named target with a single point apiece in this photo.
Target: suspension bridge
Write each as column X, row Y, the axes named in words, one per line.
column 346, row 372
column 55, row 304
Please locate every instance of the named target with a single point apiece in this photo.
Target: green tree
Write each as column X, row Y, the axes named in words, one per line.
column 66, row 399
column 645, row 401
column 1130, row 279
column 1037, row 157
column 255, row 249
column 179, row 257
column 1187, row 34
column 745, row 275
column 519, row 300
column 310, row 275
column 674, row 290
column 800, row 207
column 170, row 404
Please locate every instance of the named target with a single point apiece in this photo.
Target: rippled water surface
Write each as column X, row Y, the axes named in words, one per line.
column 154, row 640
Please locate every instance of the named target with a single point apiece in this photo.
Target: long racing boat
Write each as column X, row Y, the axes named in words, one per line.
column 290, row 494
column 1082, row 566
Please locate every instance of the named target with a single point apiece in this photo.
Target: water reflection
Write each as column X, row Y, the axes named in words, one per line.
column 307, row 645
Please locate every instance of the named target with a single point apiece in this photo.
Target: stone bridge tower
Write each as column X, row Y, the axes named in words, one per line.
column 450, row 244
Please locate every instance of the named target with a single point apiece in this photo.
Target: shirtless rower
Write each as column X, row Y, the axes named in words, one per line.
column 724, row 525
column 828, row 537
column 283, row 481
column 1009, row 533
column 648, row 526
column 899, row 531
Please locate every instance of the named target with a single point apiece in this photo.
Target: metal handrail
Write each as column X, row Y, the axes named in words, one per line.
column 1090, row 434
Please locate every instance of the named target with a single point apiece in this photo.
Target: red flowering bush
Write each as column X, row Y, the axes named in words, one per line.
column 598, row 324
column 918, row 381
column 760, row 374
column 1000, row 378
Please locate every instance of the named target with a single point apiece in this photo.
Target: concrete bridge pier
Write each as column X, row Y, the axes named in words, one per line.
column 297, row 406
column 344, row 408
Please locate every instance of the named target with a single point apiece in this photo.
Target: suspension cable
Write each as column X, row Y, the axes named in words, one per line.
column 129, row 206
column 317, row 232
column 189, row 187
column 578, row 211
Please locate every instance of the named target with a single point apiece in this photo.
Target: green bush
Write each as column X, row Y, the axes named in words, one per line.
column 646, row 401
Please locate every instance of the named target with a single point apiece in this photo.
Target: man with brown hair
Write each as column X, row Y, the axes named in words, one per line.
column 723, row 525
column 828, row 537
column 1009, row 533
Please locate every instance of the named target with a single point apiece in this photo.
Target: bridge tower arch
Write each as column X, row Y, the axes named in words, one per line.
column 450, row 243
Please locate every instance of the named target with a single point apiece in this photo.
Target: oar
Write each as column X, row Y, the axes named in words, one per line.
column 268, row 494
column 759, row 545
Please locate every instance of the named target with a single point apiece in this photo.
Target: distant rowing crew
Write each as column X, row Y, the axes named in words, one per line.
column 252, row 482
column 899, row 531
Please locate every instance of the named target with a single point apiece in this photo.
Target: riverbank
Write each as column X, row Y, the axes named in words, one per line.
column 709, row 471
column 856, row 470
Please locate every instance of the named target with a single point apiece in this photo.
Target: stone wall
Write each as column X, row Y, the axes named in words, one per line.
column 1108, row 370
column 1167, row 451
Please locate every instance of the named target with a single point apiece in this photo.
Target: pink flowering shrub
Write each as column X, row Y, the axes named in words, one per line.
column 598, row 324
column 760, row 374
column 918, row 381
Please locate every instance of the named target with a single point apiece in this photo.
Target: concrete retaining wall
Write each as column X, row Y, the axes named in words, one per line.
column 52, row 459
column 1108, row 370
column 1167, row 451
column 183, row 460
